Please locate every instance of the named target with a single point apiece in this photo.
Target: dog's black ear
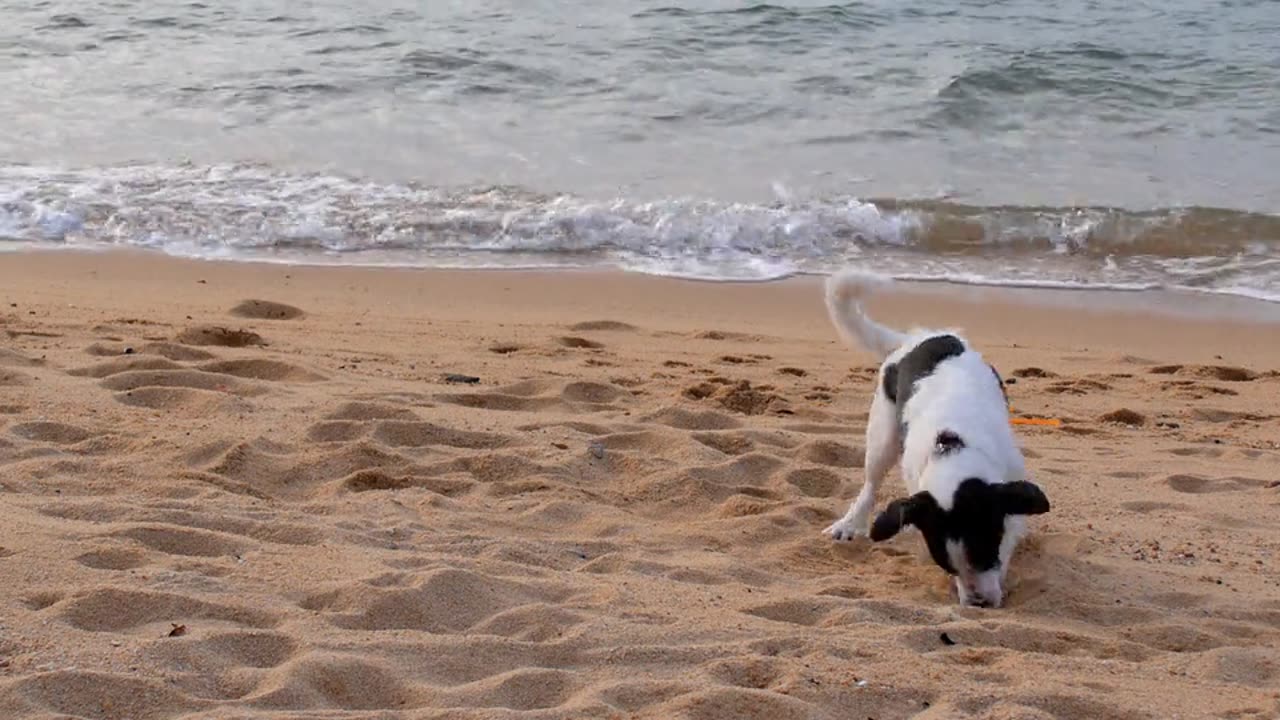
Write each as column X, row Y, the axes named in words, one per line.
column 1022, row 498
column 899, row 514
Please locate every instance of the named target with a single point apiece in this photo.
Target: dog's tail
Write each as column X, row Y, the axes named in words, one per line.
column 845, row 291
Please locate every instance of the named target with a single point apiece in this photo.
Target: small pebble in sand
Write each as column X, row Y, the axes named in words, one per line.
column 596, row 449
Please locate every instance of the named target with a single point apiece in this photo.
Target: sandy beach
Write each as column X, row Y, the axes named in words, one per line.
column 270, row 491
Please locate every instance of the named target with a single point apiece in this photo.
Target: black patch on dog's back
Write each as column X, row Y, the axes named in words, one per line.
column 890, row 381
column 920, row 361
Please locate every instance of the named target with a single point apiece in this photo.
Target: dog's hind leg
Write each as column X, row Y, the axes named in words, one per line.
column 884, row 445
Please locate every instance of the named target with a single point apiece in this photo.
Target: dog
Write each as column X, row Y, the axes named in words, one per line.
column 941, row 409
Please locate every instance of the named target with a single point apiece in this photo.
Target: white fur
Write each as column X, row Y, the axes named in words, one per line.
column 962, row 394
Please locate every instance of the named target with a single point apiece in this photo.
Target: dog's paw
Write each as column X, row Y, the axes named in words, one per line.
column 846, row 530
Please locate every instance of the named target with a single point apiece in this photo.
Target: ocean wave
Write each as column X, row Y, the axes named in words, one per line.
column 254, row 212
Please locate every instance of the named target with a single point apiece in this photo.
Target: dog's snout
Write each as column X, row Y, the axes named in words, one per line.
column 980, row 601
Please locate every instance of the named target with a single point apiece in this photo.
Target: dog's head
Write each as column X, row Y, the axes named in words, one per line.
column 966, row 538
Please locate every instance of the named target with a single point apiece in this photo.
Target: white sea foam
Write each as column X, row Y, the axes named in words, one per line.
column 253, row 213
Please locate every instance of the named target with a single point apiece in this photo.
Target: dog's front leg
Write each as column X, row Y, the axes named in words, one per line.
column 884, row 444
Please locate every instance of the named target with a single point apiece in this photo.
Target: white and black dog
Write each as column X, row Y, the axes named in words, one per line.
column 941, row 408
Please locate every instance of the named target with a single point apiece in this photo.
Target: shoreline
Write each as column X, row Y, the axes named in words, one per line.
column 1164, row 303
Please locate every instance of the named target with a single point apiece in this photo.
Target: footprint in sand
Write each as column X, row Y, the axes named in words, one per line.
column 1193, row 390
column 68, row 693
column 1178, row 638
column 375, row 480
column 815, row 482
column 750, row 671
column 263, row 369
column 177, row 352
column 12, row 358
column 498, row 401
column 740, row 397
column 1124, row 416
column 127, row 363
column 445, row 601
column 603, row 326
column 52, row 432
column 364, row 411
column 1199, row 485
column 1145, row 507
column 1216, row 415
column 237, row 650
column 821, row 429
column 647, row 441
column 179, row 399
column 337, row 431
column 190, row 379
column 115, row 610
column 579, row 343
column 218, row 336
column 13, row 378
column 171, row 351
column 724, row 335
column 750, row 473
column 729, row 443
column 1077, row 386
column 1224, row 373
column 321, row 681
column 1246, row 666
column 263, row 470
column 266, row 310
column 158, row 383
column 113, row 558
column 831, row 453
column 1033, row 372
column 683, row 419
column 809, row 611
column 425, row 434
column 186, row 542
column 42, row 599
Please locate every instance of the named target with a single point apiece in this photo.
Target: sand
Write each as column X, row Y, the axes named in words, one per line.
column 280, row 508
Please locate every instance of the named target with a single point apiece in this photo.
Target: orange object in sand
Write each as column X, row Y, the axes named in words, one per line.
column 1048, row 422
